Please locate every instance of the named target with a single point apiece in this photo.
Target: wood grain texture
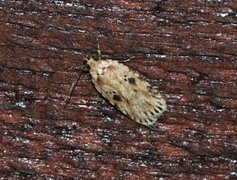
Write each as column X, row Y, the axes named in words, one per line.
column 188, row 49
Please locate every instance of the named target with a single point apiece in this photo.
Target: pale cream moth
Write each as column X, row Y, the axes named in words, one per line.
column 124, row 89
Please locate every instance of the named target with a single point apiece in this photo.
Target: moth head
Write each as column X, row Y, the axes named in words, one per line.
column 89, row 61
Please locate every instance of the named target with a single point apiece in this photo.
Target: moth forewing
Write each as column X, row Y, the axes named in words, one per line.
column 124, row 89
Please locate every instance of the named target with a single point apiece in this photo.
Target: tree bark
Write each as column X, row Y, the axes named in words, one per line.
column 186, row 49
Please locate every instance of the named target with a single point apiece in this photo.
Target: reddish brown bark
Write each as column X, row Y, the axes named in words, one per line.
column 185, row 48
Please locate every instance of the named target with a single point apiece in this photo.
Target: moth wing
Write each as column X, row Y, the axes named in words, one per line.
column 139, row 101
column 130, row 94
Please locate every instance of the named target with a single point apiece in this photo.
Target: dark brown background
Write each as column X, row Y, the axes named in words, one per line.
column 187, row 49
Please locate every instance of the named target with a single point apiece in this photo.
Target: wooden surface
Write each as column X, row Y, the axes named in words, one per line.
column 187, row 49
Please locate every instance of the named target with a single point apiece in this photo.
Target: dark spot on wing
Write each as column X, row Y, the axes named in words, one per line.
column 132, row 81
column 152, row 113
column 149, row 121
column 145, row 121
column 117, row 98
column 160, row 108
column 138, row 120
column 125, row 77
column 99, row 81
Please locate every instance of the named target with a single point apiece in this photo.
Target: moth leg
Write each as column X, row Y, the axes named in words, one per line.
column 69, row 95
column 98, row 49
column 129, row 59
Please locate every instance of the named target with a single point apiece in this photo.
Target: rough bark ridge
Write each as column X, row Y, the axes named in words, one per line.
column 188, row 49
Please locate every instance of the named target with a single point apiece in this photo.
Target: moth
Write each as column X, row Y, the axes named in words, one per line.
column 125, row 90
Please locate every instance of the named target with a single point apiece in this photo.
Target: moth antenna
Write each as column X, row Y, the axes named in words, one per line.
column 98, row 49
